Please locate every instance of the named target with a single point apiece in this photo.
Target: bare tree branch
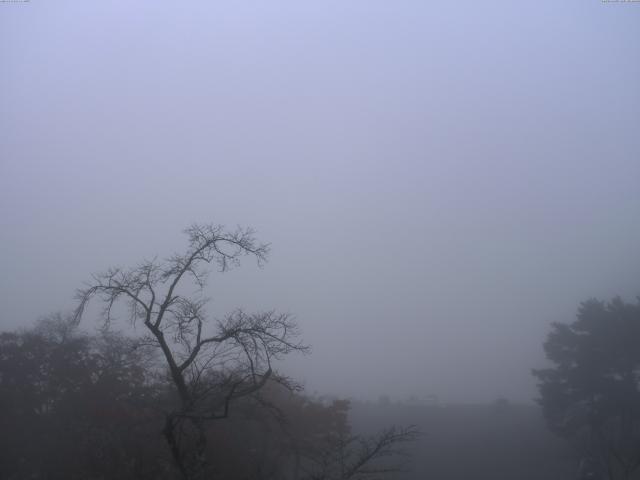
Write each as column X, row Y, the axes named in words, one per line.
column 211, row 365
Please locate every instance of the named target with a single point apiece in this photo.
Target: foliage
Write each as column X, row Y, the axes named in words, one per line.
column 75, row 406
column 592, row 393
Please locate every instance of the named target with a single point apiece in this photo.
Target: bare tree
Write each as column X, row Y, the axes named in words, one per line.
column 211, row 364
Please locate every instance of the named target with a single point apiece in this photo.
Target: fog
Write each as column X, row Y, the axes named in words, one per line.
column 439, row 181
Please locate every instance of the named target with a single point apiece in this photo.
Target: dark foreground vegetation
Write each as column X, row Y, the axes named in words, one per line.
column 195, row 398
column 590, row 395
column 75, row 406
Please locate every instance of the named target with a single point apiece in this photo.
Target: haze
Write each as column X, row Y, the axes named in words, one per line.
column 439, row 180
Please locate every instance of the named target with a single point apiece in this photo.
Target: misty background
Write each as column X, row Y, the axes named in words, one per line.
column 439, row 180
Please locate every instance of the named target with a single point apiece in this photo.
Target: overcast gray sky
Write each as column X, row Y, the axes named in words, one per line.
column 439, row 180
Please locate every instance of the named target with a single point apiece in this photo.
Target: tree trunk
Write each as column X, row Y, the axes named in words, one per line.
column 187, row 441
column 198, row 458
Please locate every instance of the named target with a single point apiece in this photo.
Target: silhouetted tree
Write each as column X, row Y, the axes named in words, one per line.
column 592, row 392
column 211, row 364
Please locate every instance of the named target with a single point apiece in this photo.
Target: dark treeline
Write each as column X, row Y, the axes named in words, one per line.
column 74, row 405
column 197, row 398
column 79, row 406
